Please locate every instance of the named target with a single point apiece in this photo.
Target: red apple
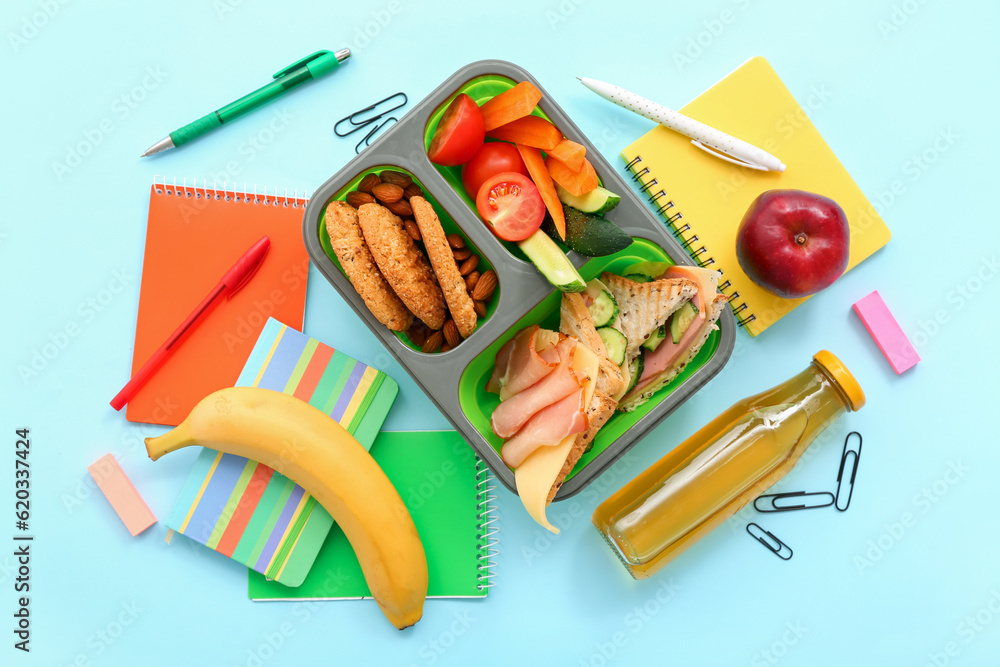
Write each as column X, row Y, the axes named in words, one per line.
column 793, row 243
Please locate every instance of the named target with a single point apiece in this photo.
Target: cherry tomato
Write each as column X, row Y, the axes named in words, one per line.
column 459, row 133
column 493, row 158
column 512, row 206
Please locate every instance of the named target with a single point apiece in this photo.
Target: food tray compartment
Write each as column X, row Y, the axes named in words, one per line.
column 478, row 404
column 446, row 222
column 455, row 380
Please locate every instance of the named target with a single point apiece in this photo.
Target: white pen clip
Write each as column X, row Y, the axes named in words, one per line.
column 727, row 157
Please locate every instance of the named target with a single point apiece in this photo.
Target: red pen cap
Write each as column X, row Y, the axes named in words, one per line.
column 244, row 268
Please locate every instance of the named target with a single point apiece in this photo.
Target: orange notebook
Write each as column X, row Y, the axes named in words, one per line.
column 193, row 235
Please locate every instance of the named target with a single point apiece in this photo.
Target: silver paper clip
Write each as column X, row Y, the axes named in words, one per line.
column 856, row 458
column 774, row 545
column 811, row 501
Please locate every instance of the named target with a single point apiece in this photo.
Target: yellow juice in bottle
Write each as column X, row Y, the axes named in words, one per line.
column 725, row 465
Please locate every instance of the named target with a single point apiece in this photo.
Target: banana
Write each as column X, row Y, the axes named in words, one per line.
column 307, row 446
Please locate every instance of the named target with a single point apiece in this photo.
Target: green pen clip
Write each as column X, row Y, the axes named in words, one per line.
column 316, row 64
column 299, row 63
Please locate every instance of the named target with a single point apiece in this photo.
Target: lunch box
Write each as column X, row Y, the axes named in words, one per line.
column 455, row 380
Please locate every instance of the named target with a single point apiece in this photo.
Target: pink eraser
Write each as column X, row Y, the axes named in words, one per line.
column 886, row 331
column 121, row 493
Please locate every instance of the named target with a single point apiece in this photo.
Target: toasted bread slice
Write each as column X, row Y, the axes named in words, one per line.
column 601, row 407
column 644, row 307
column 575, row 320
column 637, row 398
column 610, row 381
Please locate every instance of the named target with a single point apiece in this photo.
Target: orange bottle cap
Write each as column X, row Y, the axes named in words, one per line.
column 836, row 369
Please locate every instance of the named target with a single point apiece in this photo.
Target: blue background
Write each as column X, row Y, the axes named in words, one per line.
column 905, row 92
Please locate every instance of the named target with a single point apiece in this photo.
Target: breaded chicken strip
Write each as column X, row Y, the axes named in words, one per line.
column 402, row 263
column 443, row 260
column 359, row 265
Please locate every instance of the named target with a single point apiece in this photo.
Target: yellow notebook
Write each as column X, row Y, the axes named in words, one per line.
column 703, row 198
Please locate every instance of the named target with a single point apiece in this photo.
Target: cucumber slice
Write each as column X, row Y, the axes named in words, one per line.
column 681, row 320
column 655, row 338
column 594, row 288
column 637, row 277
column 598, row 201
column 615, row 342
column 635, row 369
column 603, row 307
column 651, row 269
column 552, row 262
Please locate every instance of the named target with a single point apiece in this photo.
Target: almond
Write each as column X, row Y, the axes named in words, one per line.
column 451, row 334
column 469, row 265
column 396, row 178
column 471, row 280
column 445, row 348
column 433, row 343
column 480, row 307
column 412, row 190
column 387, row 193
column 417, row 333
column 400, row 207
column 369, row 182
column 412, row 229
column 462, row 254
column 485, row 286
column 356, row 199
column 456, row 241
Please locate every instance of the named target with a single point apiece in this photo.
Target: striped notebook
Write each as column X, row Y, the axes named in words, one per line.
column 245, row 510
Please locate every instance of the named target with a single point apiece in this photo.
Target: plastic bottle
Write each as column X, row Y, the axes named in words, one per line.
column 727, row 464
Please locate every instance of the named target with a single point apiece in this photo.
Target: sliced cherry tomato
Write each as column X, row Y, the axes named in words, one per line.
column 493, row 158
column 512, row 206
column 459, row 133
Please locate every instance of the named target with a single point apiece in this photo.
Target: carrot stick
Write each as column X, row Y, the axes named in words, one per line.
column 540, row 175
column 509, row 105
column 529, row 131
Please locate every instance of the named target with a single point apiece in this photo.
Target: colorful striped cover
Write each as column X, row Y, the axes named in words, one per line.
column 244, row 509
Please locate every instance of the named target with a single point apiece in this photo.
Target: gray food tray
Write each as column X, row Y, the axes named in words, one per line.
column 521, row 287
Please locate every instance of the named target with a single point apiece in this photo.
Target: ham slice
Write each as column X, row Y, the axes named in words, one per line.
column 667, row 352
column 707, row 279
column 548, row 426
column 514, row 412
column 524, row 360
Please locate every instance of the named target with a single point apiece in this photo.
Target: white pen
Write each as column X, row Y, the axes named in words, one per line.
column 710, row 140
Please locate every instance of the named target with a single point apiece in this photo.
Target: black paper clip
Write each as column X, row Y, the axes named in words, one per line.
column 367, row 140
column 371, row 114
column 777, row 548
column 854, row 470
column 772, row 503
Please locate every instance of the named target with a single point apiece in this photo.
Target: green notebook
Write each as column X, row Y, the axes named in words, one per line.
column 447, row 490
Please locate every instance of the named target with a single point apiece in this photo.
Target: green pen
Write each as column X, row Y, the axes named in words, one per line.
column 309, row 68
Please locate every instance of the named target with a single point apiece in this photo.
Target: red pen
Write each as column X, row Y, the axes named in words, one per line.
column 231, row 283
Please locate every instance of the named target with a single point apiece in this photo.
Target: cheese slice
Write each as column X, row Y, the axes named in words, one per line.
column 626, row 370
column 535, row 477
